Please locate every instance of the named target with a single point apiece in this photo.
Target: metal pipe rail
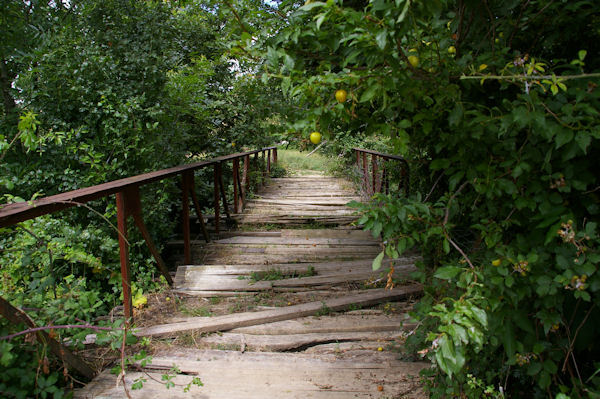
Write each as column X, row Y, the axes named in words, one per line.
column 379, row 181
column 129, row 204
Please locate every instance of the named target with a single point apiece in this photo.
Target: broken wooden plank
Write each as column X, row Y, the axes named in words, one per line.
column 334, row 324
column 281, row 343
column 297, row 241
column 260, row 375
column 227, row 322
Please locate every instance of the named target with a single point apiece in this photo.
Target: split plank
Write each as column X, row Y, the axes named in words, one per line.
column 227, row 322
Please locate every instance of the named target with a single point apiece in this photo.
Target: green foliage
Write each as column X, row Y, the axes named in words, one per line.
column 96, row 91
column 498, row 121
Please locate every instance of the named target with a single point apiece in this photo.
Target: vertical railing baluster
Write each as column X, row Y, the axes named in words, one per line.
column 216, row 204
column 185, row 218
column 236, row 178
column 124, row 256
column 223, row 194
column 268, row 162
column 365, row 173
column 374, row 174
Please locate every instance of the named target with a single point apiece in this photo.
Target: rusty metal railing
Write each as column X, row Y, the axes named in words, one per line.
column 375, row 178
column 129, row 204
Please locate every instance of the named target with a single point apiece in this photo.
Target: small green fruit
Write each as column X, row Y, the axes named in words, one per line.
column 315, row 137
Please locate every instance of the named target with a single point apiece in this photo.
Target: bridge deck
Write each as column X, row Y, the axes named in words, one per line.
column 320, row 325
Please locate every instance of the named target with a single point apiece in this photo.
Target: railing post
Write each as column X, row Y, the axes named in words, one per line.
column 357, row 158
column 222, row 189
column 236, row 178
column 124, row 256
column 268, row 162
column 365, row 172
column 216, row 173
column 275, row 155
column 374, row 173
column 245, row 179
column 185, row 221
column 192, row 187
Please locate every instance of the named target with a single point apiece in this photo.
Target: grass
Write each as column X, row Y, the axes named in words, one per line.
column 295, row 161
column 195, row 312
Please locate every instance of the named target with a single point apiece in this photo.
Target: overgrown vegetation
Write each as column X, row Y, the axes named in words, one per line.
column 495, row 105
column 94, row 91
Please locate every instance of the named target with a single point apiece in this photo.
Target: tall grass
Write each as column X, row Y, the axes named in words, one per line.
column 297, row 163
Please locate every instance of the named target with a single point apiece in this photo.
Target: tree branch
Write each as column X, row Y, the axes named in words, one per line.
column 62, row 327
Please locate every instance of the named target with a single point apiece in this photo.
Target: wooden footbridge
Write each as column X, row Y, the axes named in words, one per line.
column 315, row 320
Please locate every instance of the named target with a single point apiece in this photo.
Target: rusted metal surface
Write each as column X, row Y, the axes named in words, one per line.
column 133, row 208
column 11, row 214
column 236, row 178
column 379, row 181
column 222, row 189
column 129, row 204
column 192, row 188
column 185, row 217
column 124, row 255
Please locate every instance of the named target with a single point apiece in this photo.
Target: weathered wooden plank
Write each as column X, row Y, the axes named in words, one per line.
column 289, row 201
column 229, row 249
column 339, row 323
column 327, row 233
column 269, row 259
column 230, row 283
column 297, row 241
column 280, row 343
column 227, row 322
column 319, row 268
column 260, row 375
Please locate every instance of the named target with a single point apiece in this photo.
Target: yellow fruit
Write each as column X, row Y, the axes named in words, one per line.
column 452, row 50
column 380, row 349
column 315, row 137
column 496, row 262
column 413, row 60
column 341, row 95
column 482, row 67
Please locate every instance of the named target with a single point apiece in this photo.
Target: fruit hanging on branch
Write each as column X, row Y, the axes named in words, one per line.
column 341, row 95
column 315, row 137
column 413, row 60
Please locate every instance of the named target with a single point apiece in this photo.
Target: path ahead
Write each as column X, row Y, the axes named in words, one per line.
column 290, row 312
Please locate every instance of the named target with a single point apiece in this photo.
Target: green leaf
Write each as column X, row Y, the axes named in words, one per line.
column 381, row 39
column 563, row 136
column 310, row 6
column 377, row 261
column 446, row 246
column 369, row 93
column 447, row 272
column 584, row 139
column 320, row 20
column 456, row 115
column 288, row 62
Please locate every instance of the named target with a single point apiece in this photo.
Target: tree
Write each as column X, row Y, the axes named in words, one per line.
column 497, row 115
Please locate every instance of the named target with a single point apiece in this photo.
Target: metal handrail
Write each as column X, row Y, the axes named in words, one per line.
column 129, row 204
column 379, row 182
